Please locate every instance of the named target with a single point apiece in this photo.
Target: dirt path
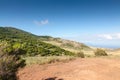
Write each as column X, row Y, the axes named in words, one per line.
column 79, row 69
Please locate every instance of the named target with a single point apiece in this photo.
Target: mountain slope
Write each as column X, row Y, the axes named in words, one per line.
column 8, row 33
column 29, row 42
column 66, row 44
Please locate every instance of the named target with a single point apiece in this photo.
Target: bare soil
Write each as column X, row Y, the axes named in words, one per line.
column 79, row 69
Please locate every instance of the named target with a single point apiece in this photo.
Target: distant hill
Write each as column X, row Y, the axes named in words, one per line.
column 66, row 44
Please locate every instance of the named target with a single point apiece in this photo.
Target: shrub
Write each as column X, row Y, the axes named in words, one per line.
column 100, row 52
column 10, row 61
column 80, row 54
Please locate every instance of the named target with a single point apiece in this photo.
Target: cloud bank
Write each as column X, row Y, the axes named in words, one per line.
column 110, row 36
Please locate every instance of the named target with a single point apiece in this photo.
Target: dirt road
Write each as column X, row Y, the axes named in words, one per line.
column 79, row 69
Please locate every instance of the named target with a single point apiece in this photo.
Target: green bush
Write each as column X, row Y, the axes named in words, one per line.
column 10, row 61
column 80, row 54
column 100, row 52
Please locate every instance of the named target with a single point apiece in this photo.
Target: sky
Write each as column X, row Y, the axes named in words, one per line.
column 93, row 22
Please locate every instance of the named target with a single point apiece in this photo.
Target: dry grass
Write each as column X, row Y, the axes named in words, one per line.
column 52, row 59
column 47, row 60
column 69, row 45
column 111, row 54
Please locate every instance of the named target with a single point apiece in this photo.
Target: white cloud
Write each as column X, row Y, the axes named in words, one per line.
column 118, row 35
column 110, row 36
column 106, row 36
column 42, row 22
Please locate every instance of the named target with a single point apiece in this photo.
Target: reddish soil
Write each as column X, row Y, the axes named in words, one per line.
column 79, row 69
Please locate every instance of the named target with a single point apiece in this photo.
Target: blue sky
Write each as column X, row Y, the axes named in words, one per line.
column 94, row 22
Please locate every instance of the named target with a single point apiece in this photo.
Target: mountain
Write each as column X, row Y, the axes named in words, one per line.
column 10, row 33
column 29, row 42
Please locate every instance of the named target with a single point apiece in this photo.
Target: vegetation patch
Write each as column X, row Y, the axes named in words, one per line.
column 100, row 52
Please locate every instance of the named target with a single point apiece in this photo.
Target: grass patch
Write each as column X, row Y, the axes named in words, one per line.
column 46, row 60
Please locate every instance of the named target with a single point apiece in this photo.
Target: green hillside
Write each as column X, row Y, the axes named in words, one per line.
column 32, row 44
